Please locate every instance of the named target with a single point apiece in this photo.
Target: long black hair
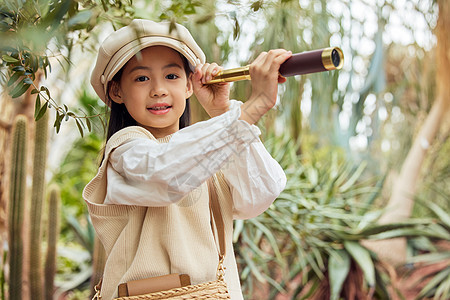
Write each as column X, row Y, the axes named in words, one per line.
column 119, row 117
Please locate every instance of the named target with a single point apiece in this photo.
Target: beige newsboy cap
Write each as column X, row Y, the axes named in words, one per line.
column 121, row 45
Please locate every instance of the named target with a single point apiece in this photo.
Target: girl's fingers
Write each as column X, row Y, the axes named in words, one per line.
column 209, row 71
column 261, row 58
column 198, row 73
column 270, row 61
column 282, row 57
column 276, row 57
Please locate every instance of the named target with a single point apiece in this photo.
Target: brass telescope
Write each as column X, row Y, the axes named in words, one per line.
column 326, row 59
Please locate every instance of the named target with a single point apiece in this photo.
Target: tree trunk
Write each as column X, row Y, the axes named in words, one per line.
column 401, row 202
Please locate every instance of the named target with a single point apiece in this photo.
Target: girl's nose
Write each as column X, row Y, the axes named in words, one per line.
column 158, row 89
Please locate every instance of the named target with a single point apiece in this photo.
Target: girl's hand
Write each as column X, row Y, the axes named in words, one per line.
column 215, row 98
column 264, row 72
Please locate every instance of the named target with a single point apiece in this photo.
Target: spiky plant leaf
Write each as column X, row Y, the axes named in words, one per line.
column 362, row 257
column 338, row 268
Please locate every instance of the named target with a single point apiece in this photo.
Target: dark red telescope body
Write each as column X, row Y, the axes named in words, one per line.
column 312, row 62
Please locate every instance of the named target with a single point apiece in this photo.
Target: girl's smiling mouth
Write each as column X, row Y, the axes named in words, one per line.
column 159, row 108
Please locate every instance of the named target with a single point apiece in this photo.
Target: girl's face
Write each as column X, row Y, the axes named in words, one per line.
column 154, row 88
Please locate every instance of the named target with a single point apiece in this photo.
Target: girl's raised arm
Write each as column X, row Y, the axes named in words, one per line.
column 147, row 173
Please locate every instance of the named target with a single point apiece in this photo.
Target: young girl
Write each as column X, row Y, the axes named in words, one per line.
column 149, row 201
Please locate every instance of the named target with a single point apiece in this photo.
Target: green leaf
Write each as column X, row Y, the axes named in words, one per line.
column 379, row 229
column 79, row 231
column 57, row 11
column 443, row 290
column 19, row 89
column 236, row 29
column 362, row 257
column 80, row 19
column 413, row 232
column 37, row 106
column 431, row 258
column 41, row 112
column 254, row 269
column 354, row 177
column 189, row 9
column 19, row 69
column 256, row 5
column 105, row 5
column 435, row 281
column 205, row 18
column 9, row 59
column 80, row 128
column 44, row 88
column 58, row 120
column 338, row 268
column 270, row 237
column 14, row 78
column 442, row 215
column 88, row 123
column 28, row 80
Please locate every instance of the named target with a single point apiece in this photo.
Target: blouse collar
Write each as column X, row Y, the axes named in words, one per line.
column 165, row 139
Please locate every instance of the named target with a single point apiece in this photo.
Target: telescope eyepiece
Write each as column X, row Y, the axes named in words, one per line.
column 335, row 58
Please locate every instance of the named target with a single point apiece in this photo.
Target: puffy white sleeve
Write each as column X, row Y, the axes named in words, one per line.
column 145, row 172
column 255, row 180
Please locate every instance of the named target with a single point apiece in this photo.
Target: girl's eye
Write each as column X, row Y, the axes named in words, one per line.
column 142, row 78
column 172, row 76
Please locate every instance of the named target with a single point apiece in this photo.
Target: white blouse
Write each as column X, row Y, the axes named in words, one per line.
column 147, row 172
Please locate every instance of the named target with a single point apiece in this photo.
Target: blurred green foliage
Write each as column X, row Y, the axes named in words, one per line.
column 33, row 32
column 80, row 165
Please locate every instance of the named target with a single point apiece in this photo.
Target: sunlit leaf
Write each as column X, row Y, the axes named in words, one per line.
column 58, row 121
column 19, row 89
column 431, row 257
column 14, row 78
column 88, row 124
column 362, row 257
column 443, row 290
column 435, row 281
column 28, row 80
column 80, row 128
column 37, row 106
column 80, row 19
column 256, row 5
column 236, row 29
column 19, row 69
column 9, row 59
column 338, row 268
column 41, row 112
column 443, row 216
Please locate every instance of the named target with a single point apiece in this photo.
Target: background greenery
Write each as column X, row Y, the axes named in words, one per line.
column 341, row 136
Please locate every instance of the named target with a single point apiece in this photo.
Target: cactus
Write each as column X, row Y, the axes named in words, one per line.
column 37, row 195
column 16, row 206
column 53, row 232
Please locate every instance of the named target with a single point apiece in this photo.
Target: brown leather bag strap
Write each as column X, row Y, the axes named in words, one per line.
column 217, row 224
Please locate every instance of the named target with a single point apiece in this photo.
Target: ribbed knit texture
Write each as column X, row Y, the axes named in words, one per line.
column 143, row 242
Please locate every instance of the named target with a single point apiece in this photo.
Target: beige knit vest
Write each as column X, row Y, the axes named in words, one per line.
column 142, row 242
